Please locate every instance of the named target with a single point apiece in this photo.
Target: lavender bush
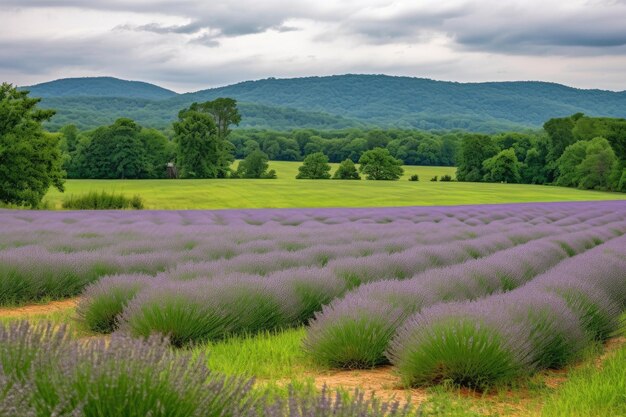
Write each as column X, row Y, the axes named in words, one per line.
column 120, row 377
column 544, row 323
column 502, row 271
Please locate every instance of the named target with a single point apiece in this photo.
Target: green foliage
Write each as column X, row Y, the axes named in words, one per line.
column 599, row 165
column 456, row 350
column 589, row 165
column 414, row 178
column 255, row 165
column 378, row 164
column 201, row 152
column 503, row 167
column 592, row 390
column 102, row 201
column 414, row 147
column 314, row 167
column 474, row 150
column 30, row 159
column 446, row 178
column 102, row 302
column 534, row 168
column 346, row 171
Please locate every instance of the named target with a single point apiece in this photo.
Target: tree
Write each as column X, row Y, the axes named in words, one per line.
column 346, row 171
column 474, row 150
column 314, row 167
column 224, row 112
column 255, row 165
column 201, row 153
column 30, row 158
column 69, row 138
column 560, row 135
column 599, row 166
column 534, row 170
column 378, row 164
column 568, row 174
column 503, row 167
column 115, row 151
column 159, row 151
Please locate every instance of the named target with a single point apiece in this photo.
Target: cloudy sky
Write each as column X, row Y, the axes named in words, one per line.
column 188, row 45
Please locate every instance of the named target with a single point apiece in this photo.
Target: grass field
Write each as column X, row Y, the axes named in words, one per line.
column 286, row 191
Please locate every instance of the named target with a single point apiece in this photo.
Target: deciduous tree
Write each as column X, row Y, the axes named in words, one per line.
column 30, row 158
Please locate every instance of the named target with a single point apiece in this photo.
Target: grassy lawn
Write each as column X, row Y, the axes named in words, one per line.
column 286, row 191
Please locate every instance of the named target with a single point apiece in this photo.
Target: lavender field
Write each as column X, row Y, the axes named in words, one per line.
column 476, row 295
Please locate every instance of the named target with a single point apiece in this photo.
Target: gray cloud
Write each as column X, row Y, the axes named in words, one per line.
column 168, row 40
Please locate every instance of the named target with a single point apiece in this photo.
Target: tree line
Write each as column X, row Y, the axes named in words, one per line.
column 576, row 151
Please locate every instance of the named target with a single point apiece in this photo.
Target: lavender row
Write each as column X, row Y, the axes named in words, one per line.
column 373, row 312
column 203, row 309
column 543, row 324
column 53, row 255
column 313, row 287
column 43, row 372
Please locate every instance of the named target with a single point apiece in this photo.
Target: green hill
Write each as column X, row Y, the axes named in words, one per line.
column 342, row 101
column 99, row 87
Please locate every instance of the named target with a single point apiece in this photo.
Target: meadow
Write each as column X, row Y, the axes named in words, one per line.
column 287, row 192
column 466, row 308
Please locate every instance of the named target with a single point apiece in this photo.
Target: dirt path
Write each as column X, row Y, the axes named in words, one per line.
column 38, row 309
column 383, row 382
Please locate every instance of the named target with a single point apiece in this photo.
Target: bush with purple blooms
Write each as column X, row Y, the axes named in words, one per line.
column 543, row 324
column 43, row 372
column 120, row 377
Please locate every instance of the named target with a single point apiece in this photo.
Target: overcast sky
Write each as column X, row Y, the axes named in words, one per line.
column 188, row 45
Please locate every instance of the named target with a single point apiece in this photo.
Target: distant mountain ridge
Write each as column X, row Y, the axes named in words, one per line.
column 336, row 102
column 99, row 87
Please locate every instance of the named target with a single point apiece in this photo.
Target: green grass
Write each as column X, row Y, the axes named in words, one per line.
column 286, row 191
column 267, row 355
column 594, row 389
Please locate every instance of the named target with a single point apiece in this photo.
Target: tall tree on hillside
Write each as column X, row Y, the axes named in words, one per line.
column 379, row 164
column 30, row 158
column 474, row 150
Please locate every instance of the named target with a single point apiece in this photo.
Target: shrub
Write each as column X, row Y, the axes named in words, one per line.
column 555, row 332
column 434, row 179
column 346, row 171
column 414, row 177
column 353, row 334
column 103, row 201
column 120, row 377
column 102, row 302
column 461, row 343
column 598, row 315
column 314, row 167
column 191, row 312
column 446, row 178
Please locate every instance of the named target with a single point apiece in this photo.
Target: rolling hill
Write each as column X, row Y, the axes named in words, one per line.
column 99, row 87
column 336, row 102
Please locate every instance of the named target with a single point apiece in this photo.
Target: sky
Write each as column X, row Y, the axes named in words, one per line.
column 188, row 45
